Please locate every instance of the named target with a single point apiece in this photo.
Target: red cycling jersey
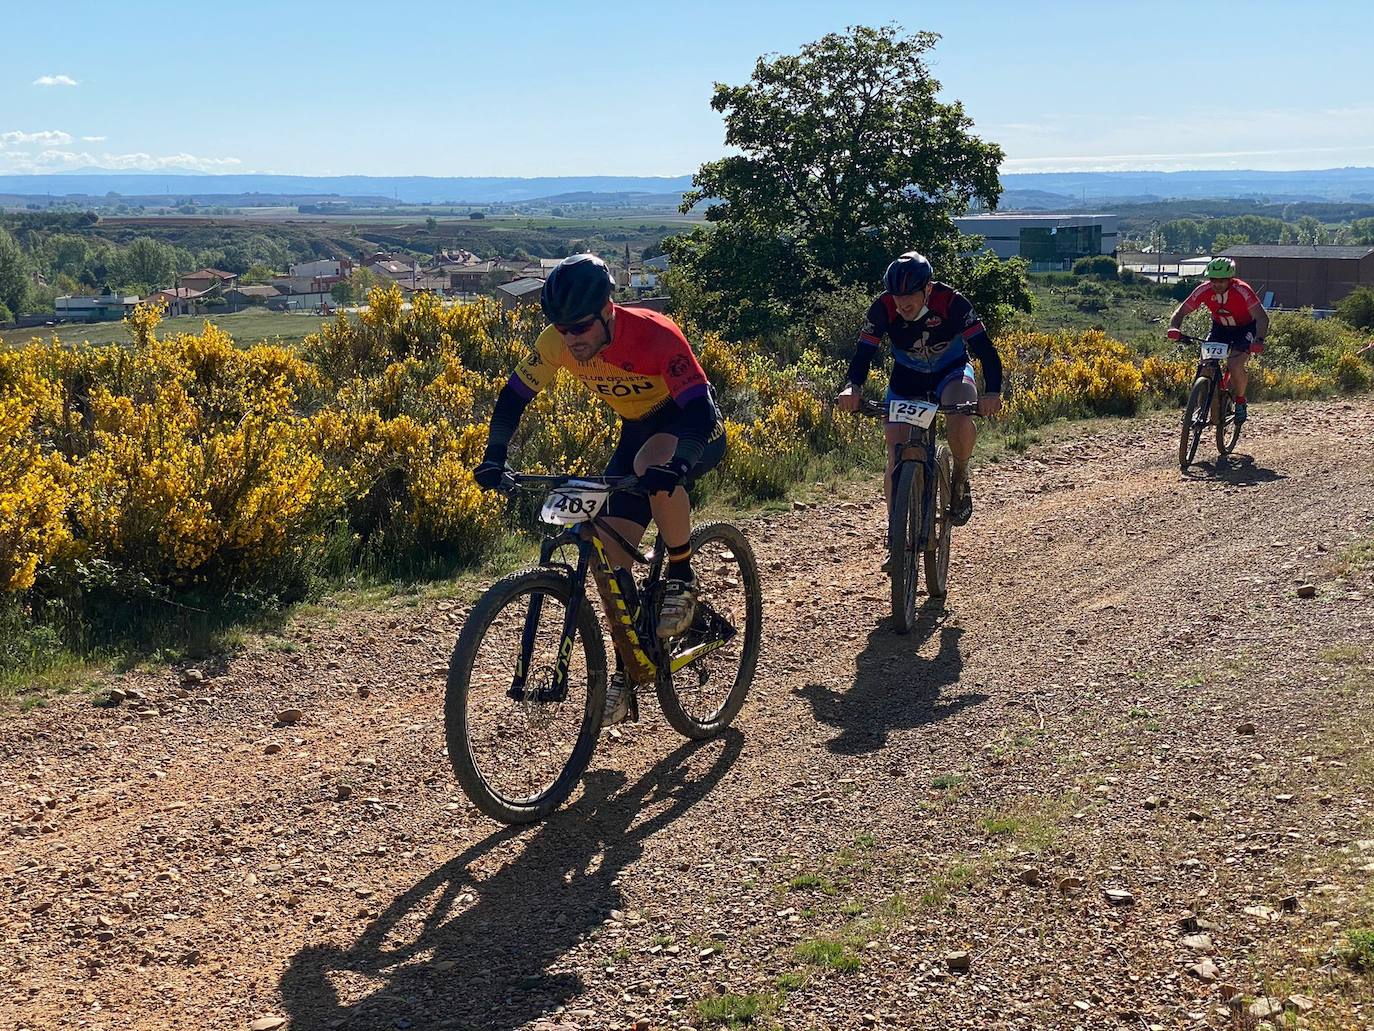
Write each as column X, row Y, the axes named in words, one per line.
column 1229, row 308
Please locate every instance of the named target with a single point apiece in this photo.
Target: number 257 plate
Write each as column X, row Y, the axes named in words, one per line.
column 914, row 413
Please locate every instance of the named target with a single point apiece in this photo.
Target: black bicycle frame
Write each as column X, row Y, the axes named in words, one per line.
column 633, row 616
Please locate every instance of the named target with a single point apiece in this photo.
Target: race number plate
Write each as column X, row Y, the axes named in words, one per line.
column 913, row 413
column 574, row 502
column 1213, row 349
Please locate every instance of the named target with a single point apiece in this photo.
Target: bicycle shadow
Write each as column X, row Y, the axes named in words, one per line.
column 474, row 951
column 1237, row 470
column 894, row 688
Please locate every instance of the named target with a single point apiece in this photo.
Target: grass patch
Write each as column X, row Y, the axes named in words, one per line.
column 1341, row 655
column 865, row 842
column 947, row 780
column 731, row 1011
column 1137, row 713
column 810, row 881
column 1359, row 953
column 945, row 883
column 1033, row 826
column 828, row 954
column 790, row 981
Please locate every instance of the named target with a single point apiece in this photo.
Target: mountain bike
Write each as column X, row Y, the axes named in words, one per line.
column 527, row 680
column 1210, row 402
column 918, row 521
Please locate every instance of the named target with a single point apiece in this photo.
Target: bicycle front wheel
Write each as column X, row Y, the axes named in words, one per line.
column 937, row 547
column 1228, row 430
column 715, row 660
column 1194, row 421
column 518, row 744
column 903, row 531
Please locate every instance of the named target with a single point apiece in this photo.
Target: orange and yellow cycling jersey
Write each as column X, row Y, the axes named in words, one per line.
column 647, row 364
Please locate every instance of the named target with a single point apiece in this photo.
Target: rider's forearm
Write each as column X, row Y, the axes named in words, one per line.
column 693, row 430
column 505, row 418
column 981, row 347
column 861, row 363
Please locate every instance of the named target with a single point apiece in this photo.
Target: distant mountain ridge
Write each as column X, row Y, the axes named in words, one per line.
column 1035, row 190
column 409, row 189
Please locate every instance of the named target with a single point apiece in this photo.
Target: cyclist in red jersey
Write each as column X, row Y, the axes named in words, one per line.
column 1238, row 320
column 671, row 432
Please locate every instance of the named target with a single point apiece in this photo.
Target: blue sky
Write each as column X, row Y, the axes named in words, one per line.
column 578, row 88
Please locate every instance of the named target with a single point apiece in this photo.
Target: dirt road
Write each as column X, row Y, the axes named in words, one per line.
column 1127, row 713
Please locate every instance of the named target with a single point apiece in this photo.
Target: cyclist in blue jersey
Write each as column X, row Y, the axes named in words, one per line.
column 933, row 330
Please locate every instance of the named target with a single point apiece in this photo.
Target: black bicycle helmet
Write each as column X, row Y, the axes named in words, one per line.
column 579, row 286
column 909, row 273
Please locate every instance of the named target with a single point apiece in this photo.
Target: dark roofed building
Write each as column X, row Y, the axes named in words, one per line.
column 1300, row 276
column 521, row 291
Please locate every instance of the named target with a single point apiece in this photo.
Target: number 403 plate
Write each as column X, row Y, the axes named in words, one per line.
column 574, row 503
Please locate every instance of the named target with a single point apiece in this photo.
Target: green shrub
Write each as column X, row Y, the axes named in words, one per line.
column 1102, row 266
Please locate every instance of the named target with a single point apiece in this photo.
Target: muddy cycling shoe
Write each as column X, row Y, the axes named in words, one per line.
column 617, row 700
column 1240, row 412
column 961, row 508
column 677, row 608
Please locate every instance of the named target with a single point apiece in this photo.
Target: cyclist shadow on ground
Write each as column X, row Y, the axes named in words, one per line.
column 1238, row 470
column 460, row 949
column 894, row 688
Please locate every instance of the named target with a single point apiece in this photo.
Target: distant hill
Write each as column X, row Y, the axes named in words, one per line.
column 408, row 189
column 1043, row 190
column 1092, row 188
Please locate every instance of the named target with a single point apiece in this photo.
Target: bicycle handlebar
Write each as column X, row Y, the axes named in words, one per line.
column 878, row 409
column 512, row 481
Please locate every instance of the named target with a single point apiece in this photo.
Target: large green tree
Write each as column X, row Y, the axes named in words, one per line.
column 847, row 158
column 15, row 271
column 145, row 265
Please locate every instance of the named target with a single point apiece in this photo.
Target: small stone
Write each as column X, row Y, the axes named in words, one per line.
column 443, row 965
column 115, row 696
column 1299, row 1004
column 1029, row 875
column 707, row 952
column 364, row 690
column 1195, row 816
column 1262, row 913
column 290, row 717
column 958, row 962
column 1263, row 1009
column 343, row 792
column 1307, row 590
column 1246, row 729
column 1153, row 802
column 1198, row 942
column 1187, row 920
column 1069, row 885
column 1205, row 970
column 193, row 677
column 868, row 1020
column 642, row 1024
column 267, row 1023
column 1283, row 798
column 1119, row 896
column 1289, row 904
column 271, row 748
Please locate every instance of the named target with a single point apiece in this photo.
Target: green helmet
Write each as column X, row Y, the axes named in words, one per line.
column 1220, row 268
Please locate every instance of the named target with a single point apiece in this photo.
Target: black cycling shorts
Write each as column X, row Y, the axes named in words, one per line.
column 634, row 434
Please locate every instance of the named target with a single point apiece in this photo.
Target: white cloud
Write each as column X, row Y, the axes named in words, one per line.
column 49, row 160
column 94, row 139
column 54, row 80
column 44, row 138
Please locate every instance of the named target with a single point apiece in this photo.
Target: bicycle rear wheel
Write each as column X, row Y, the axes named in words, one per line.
column 1194, row 411
column 903, row 531
column 519, row 757
column 1228, row 430
column 716, row 658
column 937, row 548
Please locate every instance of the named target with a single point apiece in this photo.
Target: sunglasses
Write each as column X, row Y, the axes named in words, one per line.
column 576, row 328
